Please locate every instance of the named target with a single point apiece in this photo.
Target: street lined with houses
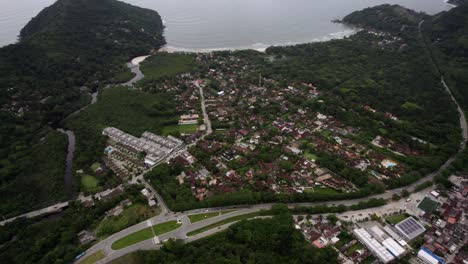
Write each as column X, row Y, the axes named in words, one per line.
column 155, row 242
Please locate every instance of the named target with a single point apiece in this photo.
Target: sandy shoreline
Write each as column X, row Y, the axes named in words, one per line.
column 260, row 46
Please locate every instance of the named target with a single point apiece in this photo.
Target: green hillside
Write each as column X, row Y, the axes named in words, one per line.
column 66, row 51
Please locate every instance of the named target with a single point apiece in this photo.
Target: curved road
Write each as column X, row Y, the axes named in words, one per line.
column 181, row 233
column 134, row 66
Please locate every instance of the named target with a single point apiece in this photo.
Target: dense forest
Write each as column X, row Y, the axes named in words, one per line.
column 457, row 2
column 54, row 239
column 78, row 46
column 250, row 241
column 68, row 50
column 391, row 18
column 143, row 112
column 447, row 34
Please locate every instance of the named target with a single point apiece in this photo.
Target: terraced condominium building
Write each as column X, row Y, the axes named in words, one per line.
column 156, row 147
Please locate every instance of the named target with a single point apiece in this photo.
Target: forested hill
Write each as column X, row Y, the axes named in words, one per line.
column 76, row 43
column 447, row 34
column 67, row 50
column 392, row 18
column 458, row 2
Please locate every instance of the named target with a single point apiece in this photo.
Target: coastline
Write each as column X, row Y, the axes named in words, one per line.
column 448, row 3
column 261, row 47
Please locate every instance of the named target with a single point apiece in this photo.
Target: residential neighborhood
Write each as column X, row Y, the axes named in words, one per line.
column 433, row 231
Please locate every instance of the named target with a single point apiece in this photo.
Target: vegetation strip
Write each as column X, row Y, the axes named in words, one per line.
column 165, row 227
column 145, row 234
column 203, row 216
column 225, row 221
column 93, row 258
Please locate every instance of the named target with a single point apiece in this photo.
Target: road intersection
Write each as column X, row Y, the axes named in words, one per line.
column 181, row 233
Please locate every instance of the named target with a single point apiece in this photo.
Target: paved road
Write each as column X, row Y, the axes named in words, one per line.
column 243, row 209
column 181, row 233
column 187, row 227
column 206, row 118
column 56, row 208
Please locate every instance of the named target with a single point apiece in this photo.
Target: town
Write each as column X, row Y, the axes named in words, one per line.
column 263, row 140
column 432, row 229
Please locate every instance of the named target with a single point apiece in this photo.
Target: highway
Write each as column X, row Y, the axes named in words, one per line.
column 181, row 232
column 56, row 208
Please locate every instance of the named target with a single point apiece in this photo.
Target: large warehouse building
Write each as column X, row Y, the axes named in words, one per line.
column 428, row 257
column 373, row 245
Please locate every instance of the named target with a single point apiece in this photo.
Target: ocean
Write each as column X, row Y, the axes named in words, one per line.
column 202, row 25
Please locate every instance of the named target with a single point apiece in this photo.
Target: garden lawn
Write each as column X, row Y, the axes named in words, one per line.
column 395, row 219
column 93, row 258
column 182, row 129
column 89, row 183
column 310, row 156
column 200, row 217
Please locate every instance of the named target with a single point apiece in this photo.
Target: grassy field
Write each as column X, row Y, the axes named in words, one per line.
column 89, row 183
column 200, row 217
column 134, row 238
column 129, row 110
column 395, row 219
column 223, row 222
column 165, row 227
column 182, row 129
column 166, row 65
column 428, row 205
column 130, row 216
column 145, row 234
column 93, row 258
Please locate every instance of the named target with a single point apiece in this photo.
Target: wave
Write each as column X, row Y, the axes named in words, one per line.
column 260, row 46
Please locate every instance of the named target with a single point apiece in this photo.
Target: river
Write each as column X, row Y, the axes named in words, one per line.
column 69, row 162
column 231, row 24
column 134, row 66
